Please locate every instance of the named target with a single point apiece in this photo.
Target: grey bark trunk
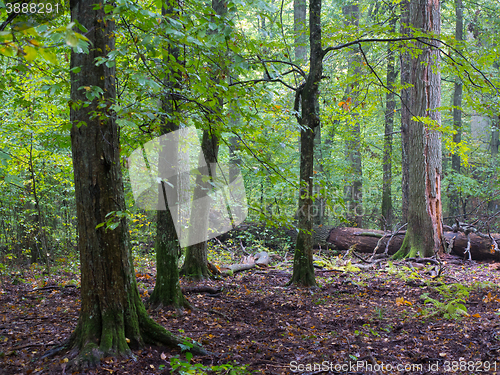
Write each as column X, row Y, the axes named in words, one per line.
column 196, row 261
column 389, row 128
column 405, row 111
column 454, row 198
column 167, row 291
column 424, row 236
column 354, row 190
column 299, row 29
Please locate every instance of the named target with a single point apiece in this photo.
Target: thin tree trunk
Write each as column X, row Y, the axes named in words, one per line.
column 354, row 190
column 495, row 140
column 405, row 111
column 424, row 236
column 454, row 200
column 39, row 253
column 196, row 261
column 389, row 128
column 300, row 30
column 167, row 291
column 303, row 270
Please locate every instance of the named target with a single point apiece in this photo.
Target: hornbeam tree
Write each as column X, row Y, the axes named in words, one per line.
column 112, row 318
column 424, row 236
column 167, row 291
column 306, row 98
column 196, row 265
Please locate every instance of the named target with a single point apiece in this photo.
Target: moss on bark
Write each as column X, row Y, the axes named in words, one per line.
column 195, row 264
column 303, row 269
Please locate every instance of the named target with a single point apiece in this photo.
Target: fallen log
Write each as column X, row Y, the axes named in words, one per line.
column 248, row 262
column 365, row 241
column 200, row 289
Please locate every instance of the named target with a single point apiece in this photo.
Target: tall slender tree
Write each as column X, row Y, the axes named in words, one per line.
column 405, row 110
column 167, row 291
column 390, row 107
column 424, row 236
column 196, row 265
column 354, row 189
column 454, row 201
column 306, row 99
column 300, row 30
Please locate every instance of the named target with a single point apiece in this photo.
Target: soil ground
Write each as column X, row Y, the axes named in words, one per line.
column 352, row 321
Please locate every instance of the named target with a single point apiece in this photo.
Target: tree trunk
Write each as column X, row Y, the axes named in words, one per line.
column 354, row 189
column 303, row 269
column 167, row 291
column 112, row 317
column 495, row 140
column 493, row 205
column 454, row 198
column 425, row 228
column 405, row 111
column 389, row 128
column 196, row 263
column 300, row 29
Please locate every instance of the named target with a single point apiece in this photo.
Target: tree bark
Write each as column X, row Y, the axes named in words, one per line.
column 454, row 198
column 405, row 111
column 196, row 262
column 390, row 107
column 303, row 269
column 354, row 189
column 167, row 291
column 112, row 317
column 300, row 30
column 425, row 228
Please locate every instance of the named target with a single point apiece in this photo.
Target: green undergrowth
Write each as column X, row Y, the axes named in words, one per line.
column 186, row 366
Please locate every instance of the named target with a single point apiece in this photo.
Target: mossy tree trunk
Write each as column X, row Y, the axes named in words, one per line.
column 424, row 236
column 303, row 269
column 112, row 318
column 167, row 291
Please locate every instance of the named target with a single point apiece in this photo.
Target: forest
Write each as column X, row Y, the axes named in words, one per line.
column 240, row 187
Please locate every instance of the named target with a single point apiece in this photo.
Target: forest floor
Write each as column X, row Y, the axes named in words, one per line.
column 353, row 320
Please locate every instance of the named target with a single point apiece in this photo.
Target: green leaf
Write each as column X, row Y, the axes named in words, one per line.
column 48, row 56
column 71, row 39
column 113, row 226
